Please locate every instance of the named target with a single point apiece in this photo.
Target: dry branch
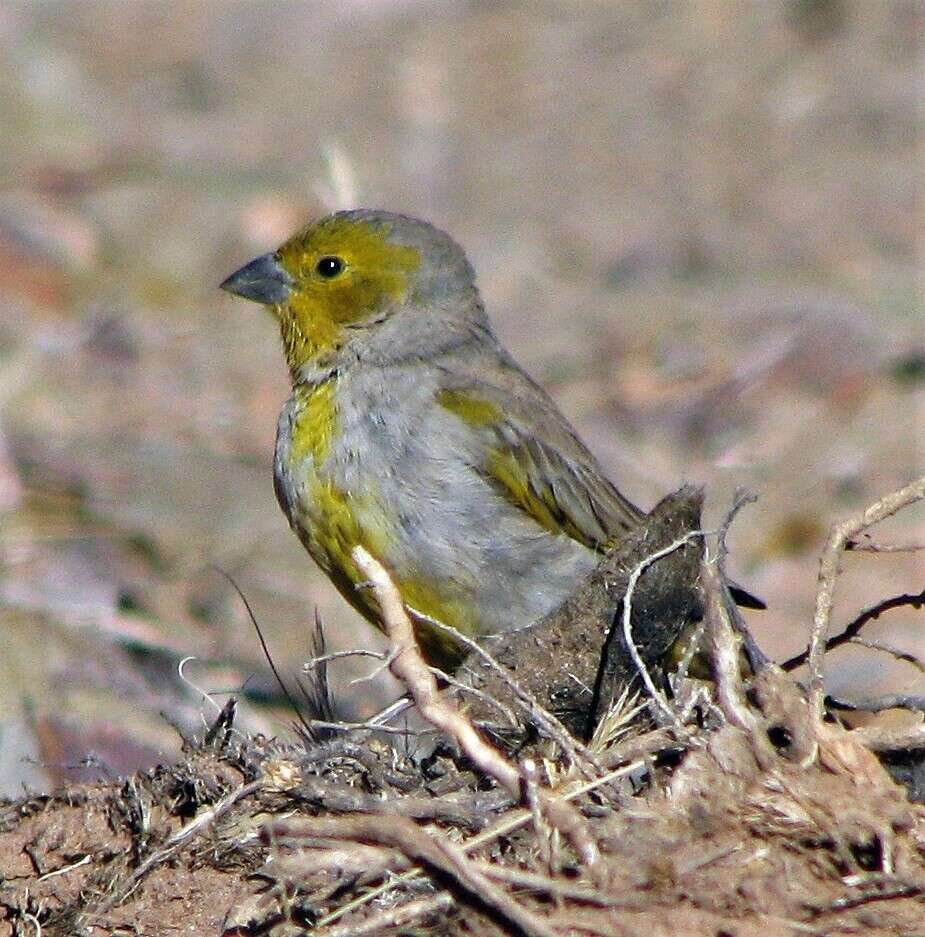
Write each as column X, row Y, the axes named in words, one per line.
column 839, row 537
column 437, row 854
column 408, row 665
column 854, row 628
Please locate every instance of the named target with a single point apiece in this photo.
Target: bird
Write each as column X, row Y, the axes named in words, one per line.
column 412, row 432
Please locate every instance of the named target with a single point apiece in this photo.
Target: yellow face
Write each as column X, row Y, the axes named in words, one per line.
column 343, row 271
column 339, row 272
column 346, row 270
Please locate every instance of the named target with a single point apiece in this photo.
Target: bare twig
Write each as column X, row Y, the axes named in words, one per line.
column 437, row 854
column 879, row 739
column 545, row 721
column 878, row 704
column 478, row 694
column 724, row 648
column 266, row 649
column 854, row 627
column 839, row 537
column 357, row 726
column 409, row 666
column 725, row 638
column 658, row 698
column 399, row 916
column 905, row 656
column 657, row 739
column 339, row 655
column 472, row 812
column 872, row 546
column 184, row 835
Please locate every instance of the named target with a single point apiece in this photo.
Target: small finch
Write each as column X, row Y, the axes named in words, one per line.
column 411, row 432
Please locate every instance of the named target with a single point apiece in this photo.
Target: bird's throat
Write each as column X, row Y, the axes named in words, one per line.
column 308, row 340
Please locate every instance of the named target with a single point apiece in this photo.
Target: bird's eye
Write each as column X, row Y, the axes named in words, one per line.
column 329, row 267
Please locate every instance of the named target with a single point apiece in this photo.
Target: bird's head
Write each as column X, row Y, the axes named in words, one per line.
column 349, row 273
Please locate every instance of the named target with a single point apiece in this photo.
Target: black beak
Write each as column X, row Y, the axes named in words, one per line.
column 262, row 280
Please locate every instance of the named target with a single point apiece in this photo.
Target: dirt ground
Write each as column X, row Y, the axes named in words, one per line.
column 732, row 837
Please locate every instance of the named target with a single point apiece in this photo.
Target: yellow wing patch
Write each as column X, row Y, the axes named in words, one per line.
column 539, row 501
column 511, row 469
column 471, row 410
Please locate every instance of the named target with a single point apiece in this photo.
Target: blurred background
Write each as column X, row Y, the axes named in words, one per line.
column 694, row 222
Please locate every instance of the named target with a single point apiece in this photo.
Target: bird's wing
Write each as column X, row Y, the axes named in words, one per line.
column 531, row 456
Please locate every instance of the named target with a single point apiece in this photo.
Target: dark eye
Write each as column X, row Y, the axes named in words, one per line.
column 329, row 267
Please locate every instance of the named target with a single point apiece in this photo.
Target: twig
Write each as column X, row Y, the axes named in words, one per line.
column 724, row 649
column 555, row 887
column 839, row 536
column 879, row 704
column 502, row 828
column 339, row 655
column 905, row 656
column 725, row 644
column 879, row 739
column 265, row 648
column 543, row 834
column 871, row 546
column 356, row 726
column 544, row 720
column 65, row 869
column 409, row 666
column 340, row 189
column 472, row 812
column 439, row 855
column 657, row 696
column 478, row 694
column 197, row 825
column 854, row 627
column 181, row 666
column 399, row 916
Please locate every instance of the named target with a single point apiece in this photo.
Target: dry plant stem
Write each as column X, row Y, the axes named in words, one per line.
column 878, row 739
column 192, row 829
column 438, row 855
column 316, row 855
column 399, row 916
column 358, row 726
column 657, row 697
column 839, row 537
column 544, row 719
column 409, row 666
column 854, row 628
column 724, row 648
column 896, row 652
column 541, row 828
column 871, row 546
column 473, row 812
column 488, row 700
column 502, row 828
column 878, row 704
column 556, row 887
